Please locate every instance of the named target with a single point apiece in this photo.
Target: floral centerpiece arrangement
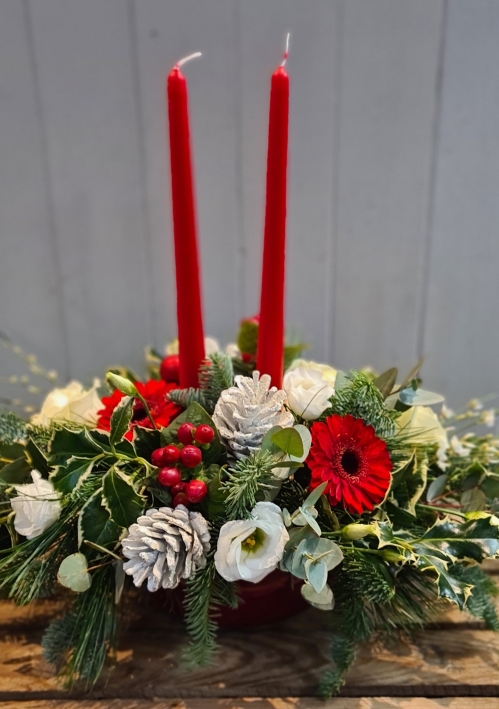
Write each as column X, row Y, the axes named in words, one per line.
column 224, row 467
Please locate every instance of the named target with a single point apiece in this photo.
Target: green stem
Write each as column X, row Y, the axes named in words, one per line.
column 449, row 510
column 146, row 409
column 97, row 547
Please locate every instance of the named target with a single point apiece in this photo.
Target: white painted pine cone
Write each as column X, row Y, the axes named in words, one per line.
column 245, row 412
column 165, row 546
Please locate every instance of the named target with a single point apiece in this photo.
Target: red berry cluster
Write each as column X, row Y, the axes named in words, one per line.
column 190, row 456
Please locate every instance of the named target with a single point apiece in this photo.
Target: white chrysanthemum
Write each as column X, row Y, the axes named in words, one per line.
column 245, row 412
column 71, row 403
column 36, row 506
column 250, row 549
column 165, row 546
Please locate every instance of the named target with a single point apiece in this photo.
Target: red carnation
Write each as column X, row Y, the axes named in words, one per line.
column 155, row 393
column 355, row 462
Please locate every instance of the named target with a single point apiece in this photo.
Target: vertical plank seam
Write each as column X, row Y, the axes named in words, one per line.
column 331, row 290
column 240, row 250
column 151, row 319
column 433, row 167
column 48, row 191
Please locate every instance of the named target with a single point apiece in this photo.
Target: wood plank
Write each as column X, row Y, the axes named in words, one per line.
column 268, row 703
column 387, row 109
column 166, row 32
column 312, row 67
column 285, row 659
column 83, row 56
column 30, row 281
column 463, row 289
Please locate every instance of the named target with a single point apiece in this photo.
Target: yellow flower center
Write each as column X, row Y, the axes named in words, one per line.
column 254, row 541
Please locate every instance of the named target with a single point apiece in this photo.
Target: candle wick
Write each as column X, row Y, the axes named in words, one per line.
column 286, row 49
column 187, row 59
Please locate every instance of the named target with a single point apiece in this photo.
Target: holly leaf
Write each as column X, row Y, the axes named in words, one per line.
column 120, row 419
column 95, row 523
column 15, row 473
column 475, row 540
column 145, row 441
column 448, row 586
column 36, row 457
column 69, row 477
column 73, row 573
column 120, row 497
column 213, row 505
column 102, row 439
column 409, row 483
column 65, row 444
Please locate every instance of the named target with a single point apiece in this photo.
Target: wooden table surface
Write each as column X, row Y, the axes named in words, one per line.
column 453, row 664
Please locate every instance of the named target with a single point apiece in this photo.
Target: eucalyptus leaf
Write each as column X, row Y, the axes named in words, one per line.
column 420, row 397
column 289, row 441
column 316, row 574
column 436, row 487
column 310, row 520
column 386, row 381
column 412, row 374
column 119, row 581
column 306, row 439
column 322, row 601
column 314, row 495
column 73, row 573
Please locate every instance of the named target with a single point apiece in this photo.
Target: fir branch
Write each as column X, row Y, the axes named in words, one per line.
column 245, row 479
column 204, row 592
column 13, row 429
column 362, row 398
column 216, row 375
column 79, row 643
column 185, row 397
column 481, row 602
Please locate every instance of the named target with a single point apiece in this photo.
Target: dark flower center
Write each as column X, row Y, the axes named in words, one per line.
column 350, row 462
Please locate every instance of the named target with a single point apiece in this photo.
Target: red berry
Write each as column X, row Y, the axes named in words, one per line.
column 169, row 476
column 196, row 490
column 162, row 457
column 170, row 369
column 180, row 487
column 180, row 499
column 190, row 456
column 204, row 433
column 185, row 432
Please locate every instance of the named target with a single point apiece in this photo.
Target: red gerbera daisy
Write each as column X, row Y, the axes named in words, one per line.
column 353, row 460
column 155, row 393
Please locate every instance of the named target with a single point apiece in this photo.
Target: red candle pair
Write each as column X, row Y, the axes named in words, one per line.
column 270, row 351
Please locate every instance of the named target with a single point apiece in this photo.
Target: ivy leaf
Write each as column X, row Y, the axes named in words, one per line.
column 386, row 381
column 436, row 487
column 95, row 523
column 119, row 495
column 73, row 573
column 65, row 444
column 289, row 441
column 69, row 477
column 120, row 419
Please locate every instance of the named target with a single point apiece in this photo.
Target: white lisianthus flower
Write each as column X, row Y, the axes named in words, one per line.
column 72, row 403
column 36, row 506
column 250, row 549
column 422, row 425
column 211, row 345
column 328, row 373
column 308, row 392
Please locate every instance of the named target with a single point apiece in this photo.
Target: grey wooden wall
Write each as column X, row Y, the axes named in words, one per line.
column 394, row 177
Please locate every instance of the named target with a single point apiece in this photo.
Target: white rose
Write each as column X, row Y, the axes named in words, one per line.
column 328, row 373
column 250, row 549
column 36, row 506
column 73, row 403
column 308, row 392
column 422, row 425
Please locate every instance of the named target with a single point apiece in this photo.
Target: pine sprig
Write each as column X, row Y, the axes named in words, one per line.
column 79, row 643
column 185, row 397
column 245, row 479
column 481, row 602
column 362, row 398
column 13, row 429
column 216, row 375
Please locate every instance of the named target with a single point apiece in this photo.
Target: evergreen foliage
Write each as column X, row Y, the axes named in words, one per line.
column 215, row 375
column 185, row 397
column 12, row 429
column 244, row 480
column 361, row 398
column 481, row 602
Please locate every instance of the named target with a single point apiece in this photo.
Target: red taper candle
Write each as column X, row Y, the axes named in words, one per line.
column 270, row 351
column 189, row 310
